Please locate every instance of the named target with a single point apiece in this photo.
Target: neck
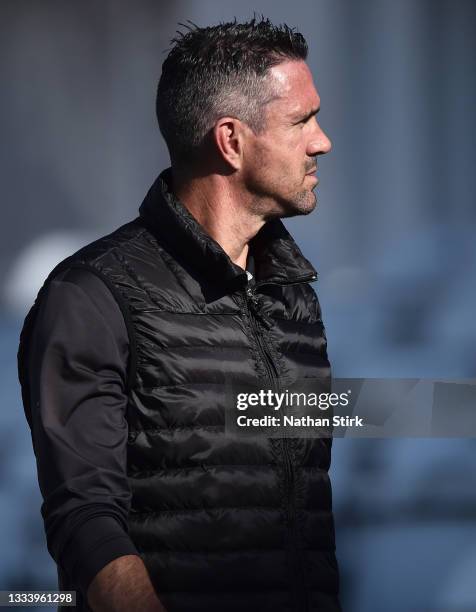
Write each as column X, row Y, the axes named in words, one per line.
column 223, row 210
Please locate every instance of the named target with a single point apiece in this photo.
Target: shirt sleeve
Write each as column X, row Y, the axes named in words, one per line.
column 77, row 378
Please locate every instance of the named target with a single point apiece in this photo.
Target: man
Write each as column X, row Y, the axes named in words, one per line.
column 148, row 503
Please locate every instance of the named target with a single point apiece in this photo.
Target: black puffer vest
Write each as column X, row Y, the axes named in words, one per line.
column 223, row 523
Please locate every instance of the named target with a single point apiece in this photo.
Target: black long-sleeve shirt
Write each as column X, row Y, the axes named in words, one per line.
column 77, row 363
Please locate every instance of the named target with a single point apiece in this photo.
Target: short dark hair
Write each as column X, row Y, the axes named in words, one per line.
column 217, row 71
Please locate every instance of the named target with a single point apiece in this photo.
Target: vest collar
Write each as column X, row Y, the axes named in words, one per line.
column 277, row 258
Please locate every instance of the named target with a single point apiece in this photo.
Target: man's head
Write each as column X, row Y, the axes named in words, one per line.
column 239, row 98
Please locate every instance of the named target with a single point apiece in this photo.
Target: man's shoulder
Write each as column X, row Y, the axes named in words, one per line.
column 107, row 246
column 113, row 253
column 84, row 283
column 90, row 269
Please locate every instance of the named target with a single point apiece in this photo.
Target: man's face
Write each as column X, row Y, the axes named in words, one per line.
column 280, row 162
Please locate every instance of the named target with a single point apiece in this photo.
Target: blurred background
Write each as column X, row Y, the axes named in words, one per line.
column 393, row 240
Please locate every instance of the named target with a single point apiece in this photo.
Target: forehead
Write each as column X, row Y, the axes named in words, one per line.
column 293, row 87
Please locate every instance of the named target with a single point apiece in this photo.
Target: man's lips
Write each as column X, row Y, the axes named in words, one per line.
column 312, row 174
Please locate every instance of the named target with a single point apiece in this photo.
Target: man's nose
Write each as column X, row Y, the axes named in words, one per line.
column 319, row 143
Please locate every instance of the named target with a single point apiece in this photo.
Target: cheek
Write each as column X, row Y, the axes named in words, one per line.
column 264, row 160
column 277, row 164
column 282, row 156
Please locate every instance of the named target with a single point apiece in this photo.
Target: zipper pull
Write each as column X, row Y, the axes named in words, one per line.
column 256, row 307
column 252, row 298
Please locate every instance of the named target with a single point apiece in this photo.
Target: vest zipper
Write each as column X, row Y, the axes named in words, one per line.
column 273, row 376
column 271, row 371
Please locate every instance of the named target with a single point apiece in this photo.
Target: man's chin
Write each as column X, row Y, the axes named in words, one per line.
column 302, row 204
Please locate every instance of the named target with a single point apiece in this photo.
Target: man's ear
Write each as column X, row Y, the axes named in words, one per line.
column 228, row 137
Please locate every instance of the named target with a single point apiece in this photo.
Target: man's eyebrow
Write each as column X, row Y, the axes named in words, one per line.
column 311, row 113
